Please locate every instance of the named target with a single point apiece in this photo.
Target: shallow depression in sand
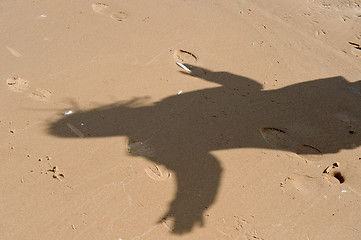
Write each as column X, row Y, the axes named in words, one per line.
column 17, row 84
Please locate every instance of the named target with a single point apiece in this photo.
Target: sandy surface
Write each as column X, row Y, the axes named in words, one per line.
column 261, row 140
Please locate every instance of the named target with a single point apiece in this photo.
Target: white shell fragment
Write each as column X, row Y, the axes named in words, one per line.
column 179, row 92
column 43, row 16
column 183, row 66
column 68, row 112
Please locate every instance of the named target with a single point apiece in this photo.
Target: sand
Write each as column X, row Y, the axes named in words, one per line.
column 105, row 136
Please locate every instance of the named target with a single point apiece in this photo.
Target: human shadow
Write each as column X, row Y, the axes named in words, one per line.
column 315, row 117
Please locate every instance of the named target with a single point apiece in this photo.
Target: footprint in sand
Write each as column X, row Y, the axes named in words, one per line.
column 100, row 7
column 302, row 184
column 184, row 56
column 17, row 84
column 41, row 94
column 157, row 173
column 103, row 8
column 119, row 16
column 333, row 173
column 306, row 149
column 278, row 138
column 138, row 148
column 20, row 85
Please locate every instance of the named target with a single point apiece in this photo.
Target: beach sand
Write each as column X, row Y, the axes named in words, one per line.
column 105, row 136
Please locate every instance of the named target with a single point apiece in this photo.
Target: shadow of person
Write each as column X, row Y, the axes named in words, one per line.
column 179, row 132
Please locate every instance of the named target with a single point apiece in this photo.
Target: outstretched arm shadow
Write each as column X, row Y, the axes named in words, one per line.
column 225, row 79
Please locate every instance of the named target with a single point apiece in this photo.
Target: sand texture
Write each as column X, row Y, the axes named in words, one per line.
column 161, row 120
